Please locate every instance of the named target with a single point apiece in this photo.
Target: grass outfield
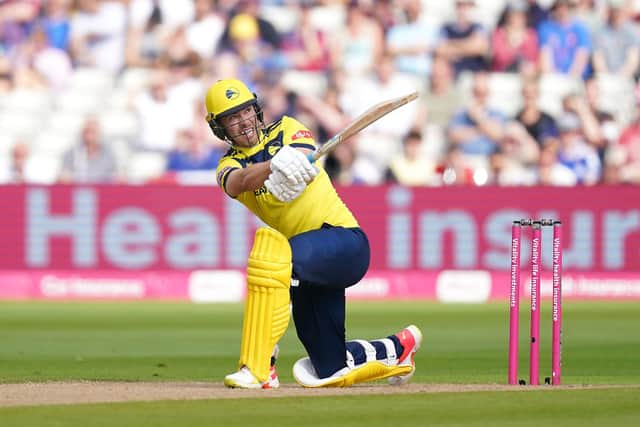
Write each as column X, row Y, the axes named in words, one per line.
column 464, row 344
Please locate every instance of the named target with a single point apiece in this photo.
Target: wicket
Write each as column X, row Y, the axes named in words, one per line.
column 514, row 300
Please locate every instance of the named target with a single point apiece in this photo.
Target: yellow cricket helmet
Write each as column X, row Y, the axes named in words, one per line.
column 226, row 97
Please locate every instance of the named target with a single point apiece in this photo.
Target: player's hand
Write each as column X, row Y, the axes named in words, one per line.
column 293, row 165
column 283, row 189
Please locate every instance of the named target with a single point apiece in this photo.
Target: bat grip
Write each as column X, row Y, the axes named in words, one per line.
column 310, row 157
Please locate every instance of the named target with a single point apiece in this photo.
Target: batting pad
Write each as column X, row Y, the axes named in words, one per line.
column 306, row 376
column 266, row 313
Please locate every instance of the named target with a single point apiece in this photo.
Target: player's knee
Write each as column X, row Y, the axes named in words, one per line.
column 269, row 263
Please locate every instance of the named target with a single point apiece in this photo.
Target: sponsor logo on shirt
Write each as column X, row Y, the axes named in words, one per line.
column 222, row 174
column 301, row 134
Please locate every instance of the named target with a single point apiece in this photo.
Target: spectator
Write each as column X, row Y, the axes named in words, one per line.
column 627, row 150
column 515, row 46
column 464, row 42
column 516, row 158
column 157, row 114
column 192, row 153
column 15, row 171
column 441, row 99
column 171, row 14
column 536, row 14
column 242, row 37
column 205, row 32
column 24, row 75
column 617, row 43
column 589, row 12
column 607, row 129
column 259, row 59
column 56, row 23
column 385, row 13
column 151, row 23
column 540, row 125
column 48, row 65
column 565, row 43
column 409, row 167
column 184, row 77
column 90, row 161
column 412, row 41
column 306, row 48
column 357, row 48
column 17, row 18
column 97, row 35
column 551, row 171
column 587, row 111
column 477, row 129
column 575, row 153
column 266, row 32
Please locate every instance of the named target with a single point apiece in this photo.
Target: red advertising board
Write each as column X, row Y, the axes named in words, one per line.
column 182, row 228
column 423, row 231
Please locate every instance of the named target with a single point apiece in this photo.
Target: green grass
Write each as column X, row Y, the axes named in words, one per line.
column 613, row 407
column 463, row 344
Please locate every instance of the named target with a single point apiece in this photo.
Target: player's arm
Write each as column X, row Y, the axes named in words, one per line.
column 247, row 179
column 238, row 180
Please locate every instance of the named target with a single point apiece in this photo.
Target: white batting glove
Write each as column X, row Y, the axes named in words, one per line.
column 283, row 189
column 294, row 165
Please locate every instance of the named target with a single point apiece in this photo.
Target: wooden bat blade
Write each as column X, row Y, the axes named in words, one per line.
column 362, row 121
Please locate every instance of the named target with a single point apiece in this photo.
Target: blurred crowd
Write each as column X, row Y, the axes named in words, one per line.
column 512, row 92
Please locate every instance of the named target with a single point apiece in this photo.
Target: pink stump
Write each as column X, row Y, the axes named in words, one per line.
column 534, row 352
column 514, row 303
column 556, row 320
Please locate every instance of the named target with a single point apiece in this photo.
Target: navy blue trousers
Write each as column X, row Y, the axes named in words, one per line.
column 326, row 262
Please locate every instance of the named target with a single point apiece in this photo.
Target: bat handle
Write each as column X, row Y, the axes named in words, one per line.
column 310, row 157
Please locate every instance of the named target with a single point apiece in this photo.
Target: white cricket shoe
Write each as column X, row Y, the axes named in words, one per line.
column 243, row 378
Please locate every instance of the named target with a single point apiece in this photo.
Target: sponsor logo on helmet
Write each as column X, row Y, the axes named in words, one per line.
column 232, row 93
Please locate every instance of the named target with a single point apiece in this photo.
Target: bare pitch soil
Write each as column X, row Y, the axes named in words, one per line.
column 52, row 393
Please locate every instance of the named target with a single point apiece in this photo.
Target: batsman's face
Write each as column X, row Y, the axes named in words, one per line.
column 242, row 127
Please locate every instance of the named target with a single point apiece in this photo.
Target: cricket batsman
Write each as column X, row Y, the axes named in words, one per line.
column 311, row 250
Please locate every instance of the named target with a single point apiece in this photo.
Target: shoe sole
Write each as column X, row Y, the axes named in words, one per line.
column 257, row 386
column 233, row 384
